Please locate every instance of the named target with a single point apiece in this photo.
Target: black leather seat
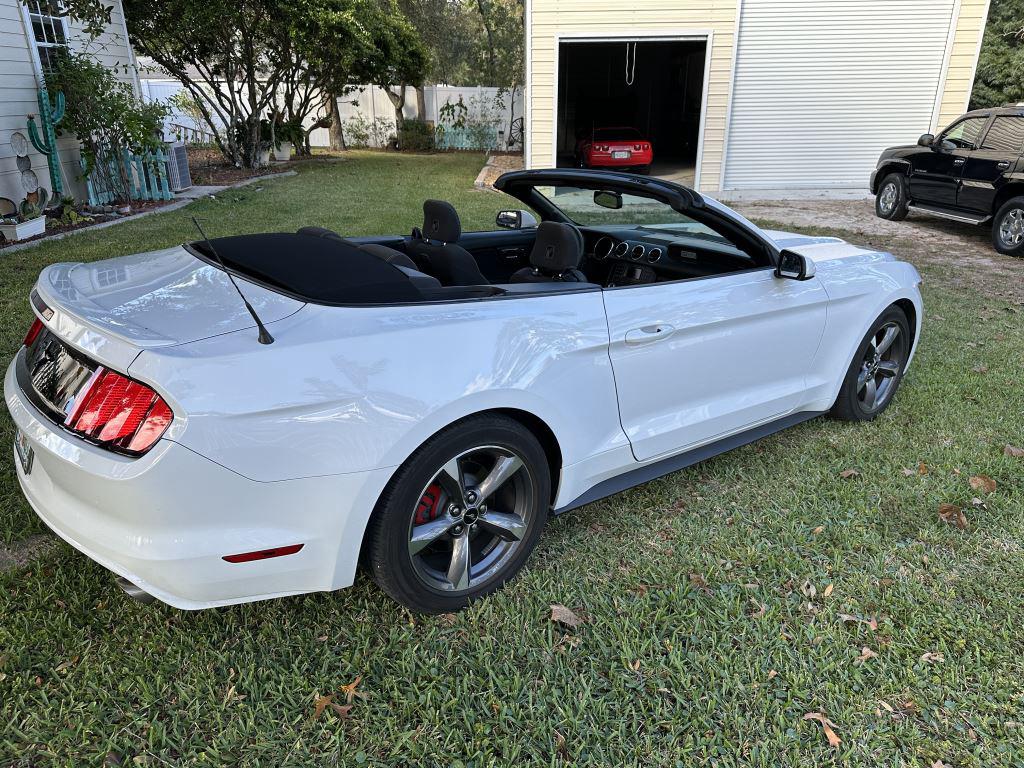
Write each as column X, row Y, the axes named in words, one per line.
column 556, row 256
column 436, row 251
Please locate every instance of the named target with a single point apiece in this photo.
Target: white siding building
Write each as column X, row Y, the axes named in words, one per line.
column 749, row 94
column 27, row 34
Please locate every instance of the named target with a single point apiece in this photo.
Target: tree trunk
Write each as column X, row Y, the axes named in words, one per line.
column 421, row 103
column 336, row 130
column 398, row 102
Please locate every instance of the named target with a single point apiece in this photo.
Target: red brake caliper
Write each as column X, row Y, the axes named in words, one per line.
column 429, row 506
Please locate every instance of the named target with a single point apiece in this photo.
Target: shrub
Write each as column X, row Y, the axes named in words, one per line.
column 416, row 136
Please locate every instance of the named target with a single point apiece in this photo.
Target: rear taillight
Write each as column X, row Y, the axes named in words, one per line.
column 34, row 330
column 119, row 413
column 638, row 147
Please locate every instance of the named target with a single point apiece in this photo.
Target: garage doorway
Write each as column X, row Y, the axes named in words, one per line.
column 655, row 86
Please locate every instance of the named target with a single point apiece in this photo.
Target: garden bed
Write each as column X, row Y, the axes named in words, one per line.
column 55, row 227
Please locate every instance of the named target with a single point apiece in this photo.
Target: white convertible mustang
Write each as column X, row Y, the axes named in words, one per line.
column 248, row 417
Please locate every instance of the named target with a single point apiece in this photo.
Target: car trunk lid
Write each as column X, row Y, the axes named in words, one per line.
column 113, row 309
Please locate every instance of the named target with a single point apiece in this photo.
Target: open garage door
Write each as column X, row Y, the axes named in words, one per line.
column 649, row 90
column 822, row 88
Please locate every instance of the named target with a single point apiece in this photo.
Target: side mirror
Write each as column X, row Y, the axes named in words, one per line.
column 794, row 266
column 926, row 140
column 605, row 199
column 515, row 220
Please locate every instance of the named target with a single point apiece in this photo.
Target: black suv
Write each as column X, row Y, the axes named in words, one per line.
column 972, row 171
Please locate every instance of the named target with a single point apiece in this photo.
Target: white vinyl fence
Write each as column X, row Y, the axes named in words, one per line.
column 368, row 111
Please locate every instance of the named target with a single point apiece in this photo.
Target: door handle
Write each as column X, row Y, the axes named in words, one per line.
column 512, row 253
column 649, row 333
column 959, row 161
column 1003, row 164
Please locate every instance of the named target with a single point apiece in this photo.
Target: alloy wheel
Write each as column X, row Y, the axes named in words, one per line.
column 887, row 200
column 471, row 519
column 1011, row 228
column 883, row 360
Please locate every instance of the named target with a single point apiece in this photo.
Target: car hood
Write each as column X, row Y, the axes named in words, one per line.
column 821, row 249
column 158, row 298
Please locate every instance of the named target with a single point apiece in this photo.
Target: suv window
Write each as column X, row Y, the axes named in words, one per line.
column 1005, row 135
column 965, row 133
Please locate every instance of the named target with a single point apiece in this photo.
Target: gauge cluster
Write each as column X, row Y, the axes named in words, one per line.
column 607, row 247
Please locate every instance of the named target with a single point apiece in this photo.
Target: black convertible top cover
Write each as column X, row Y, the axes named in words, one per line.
column 314, row 269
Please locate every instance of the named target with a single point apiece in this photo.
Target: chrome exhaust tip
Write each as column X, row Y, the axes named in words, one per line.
column 133, row 591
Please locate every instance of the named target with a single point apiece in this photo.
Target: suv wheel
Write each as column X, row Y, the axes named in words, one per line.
column 1008, row 228
column 891, row 200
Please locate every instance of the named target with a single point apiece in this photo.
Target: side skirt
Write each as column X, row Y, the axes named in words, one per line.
column 965, row 218
column 649, row 472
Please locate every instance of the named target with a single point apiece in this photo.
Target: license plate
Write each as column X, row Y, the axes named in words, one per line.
column 621, row 154
column 25, row 452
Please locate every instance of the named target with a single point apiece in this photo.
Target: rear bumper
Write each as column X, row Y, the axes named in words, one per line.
column 605, row 160
column 165, row 520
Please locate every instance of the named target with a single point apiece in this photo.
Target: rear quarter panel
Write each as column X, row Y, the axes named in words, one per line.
column 353, row 389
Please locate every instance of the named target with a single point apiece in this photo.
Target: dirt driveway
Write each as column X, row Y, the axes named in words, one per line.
column 961, row 253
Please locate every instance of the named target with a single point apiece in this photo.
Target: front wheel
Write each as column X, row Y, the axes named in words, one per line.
column 877, row 369
column 461, row 516
column 1008, row 228
column 891, row 200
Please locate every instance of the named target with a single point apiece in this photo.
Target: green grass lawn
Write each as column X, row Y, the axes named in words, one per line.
column 712, row 601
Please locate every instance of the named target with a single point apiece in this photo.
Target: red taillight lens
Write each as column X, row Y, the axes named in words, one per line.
column 119, row 413
column 637, row 147
column 34, row 330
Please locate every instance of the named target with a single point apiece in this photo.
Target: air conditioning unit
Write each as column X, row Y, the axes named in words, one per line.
column 177, row 167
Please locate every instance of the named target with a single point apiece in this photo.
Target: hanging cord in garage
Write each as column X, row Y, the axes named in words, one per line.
column 630, row 70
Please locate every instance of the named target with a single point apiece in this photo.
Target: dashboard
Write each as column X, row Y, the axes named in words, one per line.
column 630, row 256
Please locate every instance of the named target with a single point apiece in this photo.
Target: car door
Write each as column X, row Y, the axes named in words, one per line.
column 935, row 171
column 698, row 359
column 996, row 156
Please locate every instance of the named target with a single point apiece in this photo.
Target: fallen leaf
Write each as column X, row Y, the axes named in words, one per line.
column 865, row 654
column 983, row 483
column 828, row 590
column 320, row 704
column 350, row 690
column 759, row 609
column 933, row 657
column 1013, row 451
column 908, row 472
column 809, row 590
column 827, row 725
column 848, row 473
column 954, row 515
column 939, row 764
column 818, row 530
column 871, row 622
column 922, row 468
column 698, row 582
column 887, row 706
column 980, row 369
column 560, row 746
column 562, row 615
column 772, row 674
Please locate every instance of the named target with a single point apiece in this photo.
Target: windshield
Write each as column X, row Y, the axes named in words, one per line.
column 636, row 211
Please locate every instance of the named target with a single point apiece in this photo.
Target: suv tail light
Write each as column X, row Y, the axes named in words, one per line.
column 34, row 330
column 119, row 413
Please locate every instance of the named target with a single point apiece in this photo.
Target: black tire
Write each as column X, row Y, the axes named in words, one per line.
column 1008, row 228
column 420, row 580
column 891, row 200
column 858, row 399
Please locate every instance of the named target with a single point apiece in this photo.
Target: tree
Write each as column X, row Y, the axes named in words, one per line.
column 401, row 60
column 93, row 15
column 1000, row 76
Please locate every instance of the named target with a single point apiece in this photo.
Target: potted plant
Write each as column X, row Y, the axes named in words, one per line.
column 24, row 220
column 286, row 135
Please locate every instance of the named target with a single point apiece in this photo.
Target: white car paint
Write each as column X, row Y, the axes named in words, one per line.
column 294, row 442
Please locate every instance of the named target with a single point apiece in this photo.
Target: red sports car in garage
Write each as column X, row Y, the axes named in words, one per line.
column 615, row 148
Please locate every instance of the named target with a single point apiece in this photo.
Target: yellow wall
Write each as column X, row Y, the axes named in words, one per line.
column 962, row 61
column 549, row 19
column 603, row 18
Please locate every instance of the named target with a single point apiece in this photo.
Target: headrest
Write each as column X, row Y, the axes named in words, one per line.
column 558, row 247
column 441, row 222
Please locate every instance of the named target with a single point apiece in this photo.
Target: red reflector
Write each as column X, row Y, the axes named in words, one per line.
column 263, row 554
column 34, row 330
column 119, row 413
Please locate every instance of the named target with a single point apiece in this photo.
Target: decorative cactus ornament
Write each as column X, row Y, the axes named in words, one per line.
column 49, row 118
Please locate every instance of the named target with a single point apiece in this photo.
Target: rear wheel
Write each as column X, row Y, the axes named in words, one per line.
column 1008, row 228
column 891, row 200
column 877, row 369
column 461, row 516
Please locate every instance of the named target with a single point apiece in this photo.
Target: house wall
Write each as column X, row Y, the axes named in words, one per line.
column 548, row 21
column 19, row 77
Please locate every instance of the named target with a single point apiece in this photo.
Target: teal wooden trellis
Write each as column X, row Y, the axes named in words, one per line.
column 145, row 175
